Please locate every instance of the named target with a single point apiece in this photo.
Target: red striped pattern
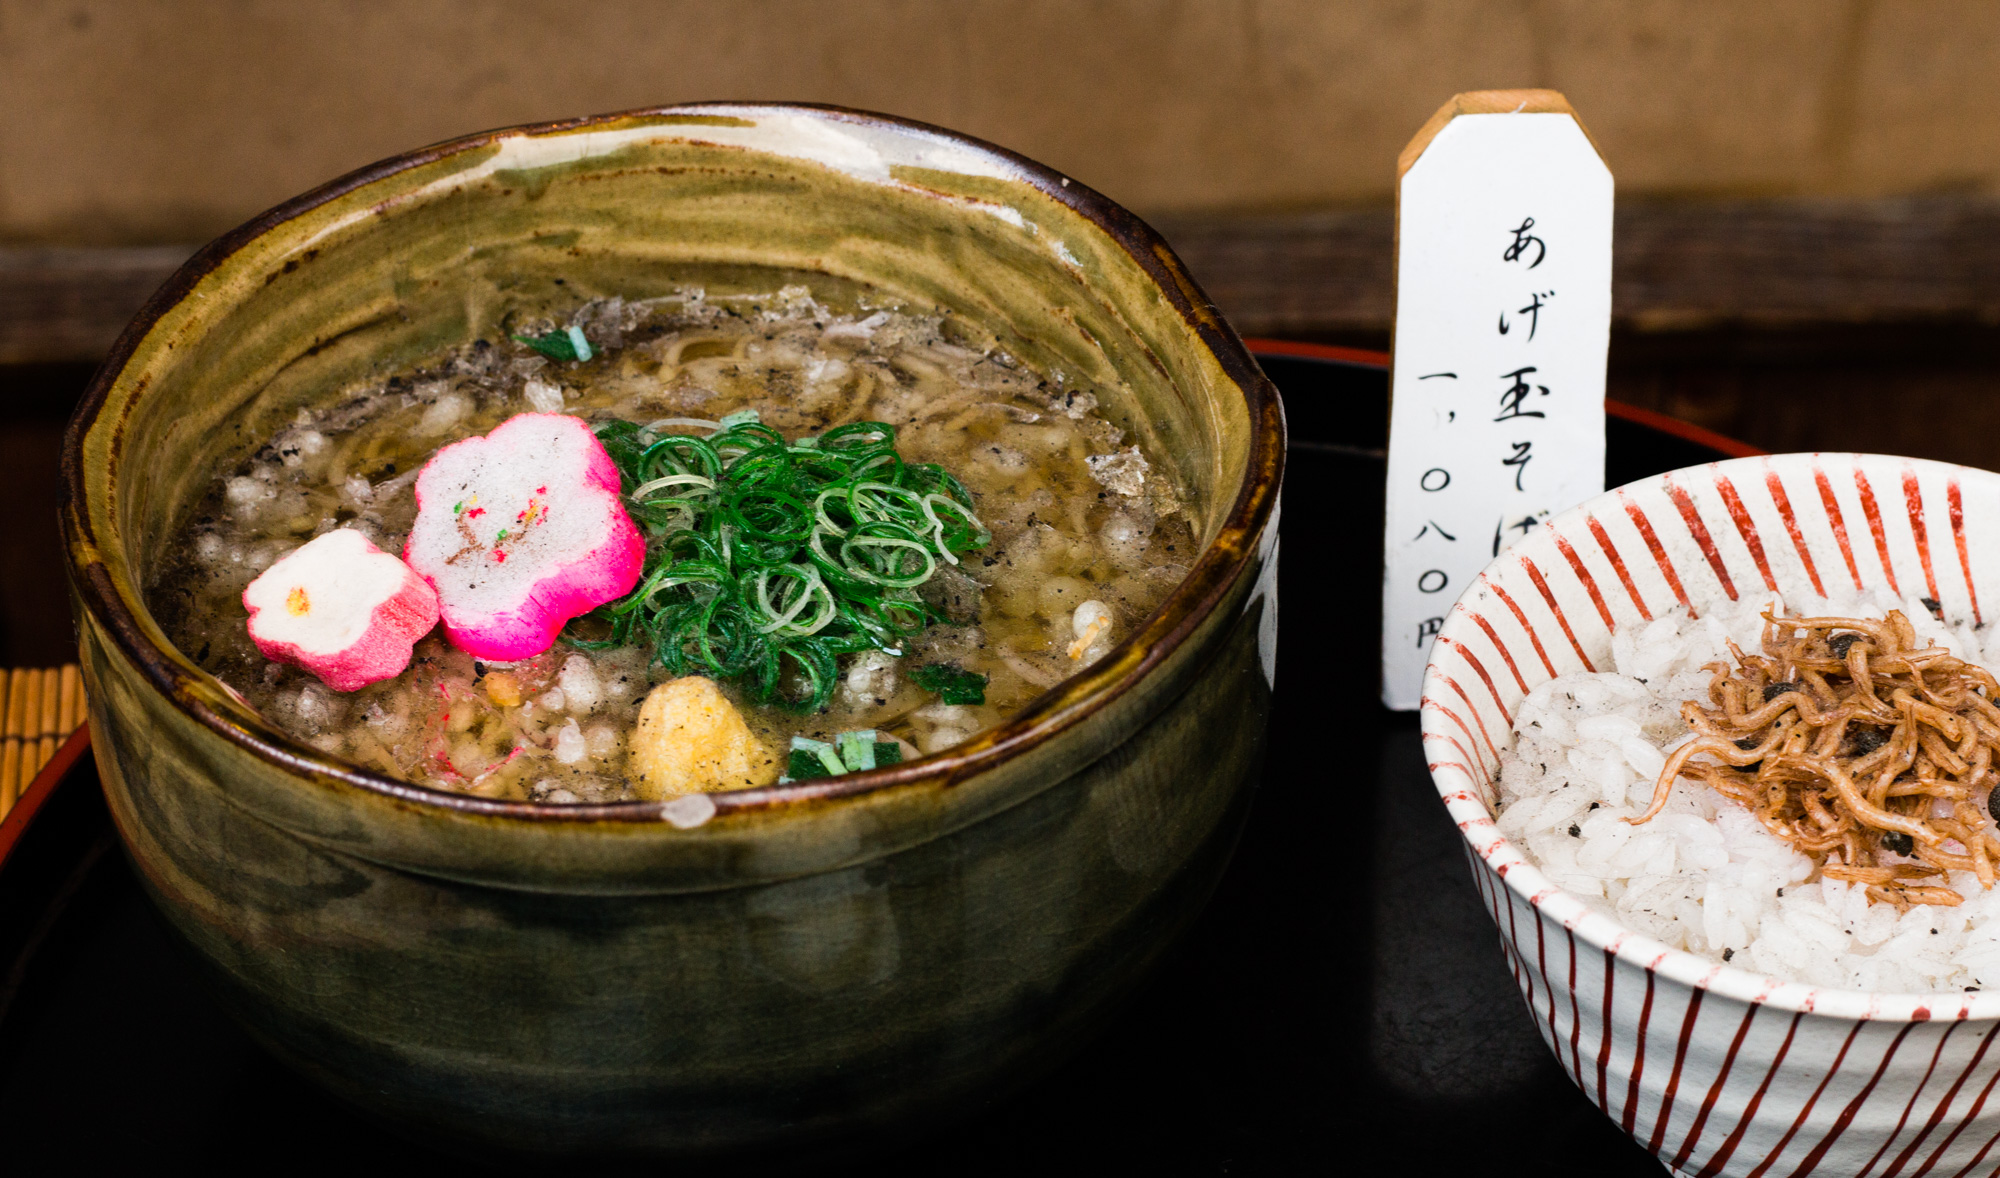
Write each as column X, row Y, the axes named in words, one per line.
column 1584, row 578
column 1478, row 718
column 1913, row 502
column 1693, row 1138
column 1837, row 522
column 1805, row 1111
column 1783, row 502
column 1746, row 528
column 1653, row 545
column 1684, row 503
column 1666, row 1116
column 1618, row 563
column 1479, row 668
column 1957, row 512
column 1535, row 575
column 1430, row 705
column 1505, row 655
column 1970, row 1117
column 1639, row 1054
column 1532, row 636
column 1728, row 1150
column 1875, row 528
column 1718, row 1071
column 1938, row 1112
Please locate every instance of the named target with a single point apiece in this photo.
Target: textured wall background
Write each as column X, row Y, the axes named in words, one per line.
column 128, row 122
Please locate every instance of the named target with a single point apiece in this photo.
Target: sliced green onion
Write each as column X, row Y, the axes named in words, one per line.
column 828, row 755
column 683, row 422
column 565, row 344
column 952, row 685
column 672, row 480
column 851, row 752
column 802, row 766
column 771, row 559
column 857, row 750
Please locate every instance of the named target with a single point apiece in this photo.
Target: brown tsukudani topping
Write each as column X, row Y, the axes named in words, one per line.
column 1863, row 750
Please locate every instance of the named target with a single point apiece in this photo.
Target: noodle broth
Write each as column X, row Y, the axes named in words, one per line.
column 1077, row 516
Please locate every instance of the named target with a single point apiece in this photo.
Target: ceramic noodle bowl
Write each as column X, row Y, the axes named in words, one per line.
column 771, row 966
column 1715, row 1069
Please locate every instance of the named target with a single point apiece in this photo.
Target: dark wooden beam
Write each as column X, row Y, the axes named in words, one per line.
column 1787, row 264
column 1300, row 274
column 1676, row 266
column 67, row 305
column 1681, row 266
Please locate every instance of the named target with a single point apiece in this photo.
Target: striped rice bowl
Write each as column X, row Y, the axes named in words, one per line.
column 1733, row 1013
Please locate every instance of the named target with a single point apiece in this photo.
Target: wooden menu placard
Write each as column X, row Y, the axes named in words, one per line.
column 1503, row 316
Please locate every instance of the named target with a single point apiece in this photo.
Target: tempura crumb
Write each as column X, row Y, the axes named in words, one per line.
column 503, row 689
column 690, row 739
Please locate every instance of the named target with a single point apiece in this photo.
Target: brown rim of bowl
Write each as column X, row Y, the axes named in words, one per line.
column 1054, row 711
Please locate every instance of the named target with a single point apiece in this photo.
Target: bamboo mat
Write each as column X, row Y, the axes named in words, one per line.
column 40, row 707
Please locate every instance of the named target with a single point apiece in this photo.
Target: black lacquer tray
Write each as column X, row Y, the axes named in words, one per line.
column 1341, row 1006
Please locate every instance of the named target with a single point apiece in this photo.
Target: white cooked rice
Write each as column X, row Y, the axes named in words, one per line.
column 1704, row 875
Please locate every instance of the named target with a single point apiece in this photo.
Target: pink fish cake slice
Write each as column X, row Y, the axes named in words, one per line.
column 342, row 609
column 520, row 531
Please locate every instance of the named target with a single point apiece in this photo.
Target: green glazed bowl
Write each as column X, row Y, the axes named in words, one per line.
column 782, row 965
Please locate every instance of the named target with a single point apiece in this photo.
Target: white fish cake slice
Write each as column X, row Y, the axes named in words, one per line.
column 342, row 609
column 521, row 530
